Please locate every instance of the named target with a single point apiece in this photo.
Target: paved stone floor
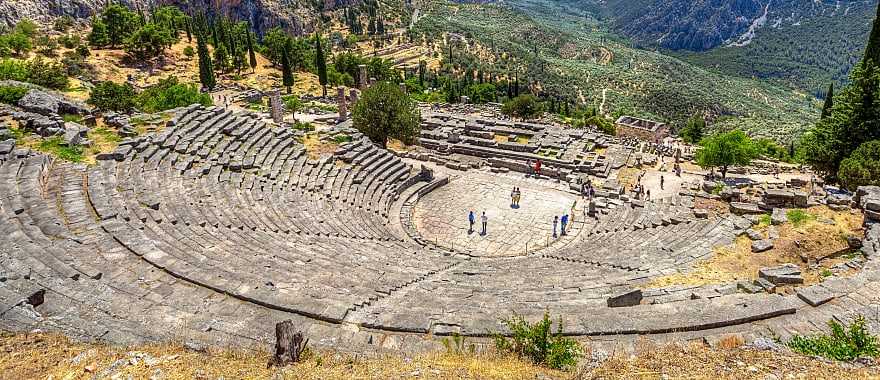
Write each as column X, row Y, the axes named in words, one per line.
column 442, row 215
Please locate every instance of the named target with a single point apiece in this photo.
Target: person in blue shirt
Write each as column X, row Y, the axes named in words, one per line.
column 472, row 219
column 563, row 222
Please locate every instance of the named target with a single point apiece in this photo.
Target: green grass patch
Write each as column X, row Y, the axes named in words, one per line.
column 105, row 134
column 72, row 117
column 845, row 343
column 798, row 217
column 538, row 343
column 341, row 138
column 56, row 147
column 12, row 94
column 308, row 127
column 764, row 220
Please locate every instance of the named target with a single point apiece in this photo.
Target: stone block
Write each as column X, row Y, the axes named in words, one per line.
column 741, row 208
column 778, row 216
column 626, row 298
column 754, row 235
column 762, row 245
column 815, row 295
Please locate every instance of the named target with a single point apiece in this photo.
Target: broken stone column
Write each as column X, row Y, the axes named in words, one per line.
column 402, row 87
column 340, row 99
column 362, row 77
column 276, row 109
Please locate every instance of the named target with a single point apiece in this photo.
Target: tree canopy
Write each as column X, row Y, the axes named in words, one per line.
column 383, row 112
column 725, row 150
column 524, row 106
column 693, row 131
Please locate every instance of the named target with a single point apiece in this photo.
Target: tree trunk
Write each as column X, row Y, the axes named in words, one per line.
column 724, row 172
column 289, row 345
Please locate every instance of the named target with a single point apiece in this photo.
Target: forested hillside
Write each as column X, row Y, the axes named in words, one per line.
column 562, row 51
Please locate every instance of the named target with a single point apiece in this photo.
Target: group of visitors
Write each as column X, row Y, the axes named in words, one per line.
column 514, row 197
column 534, row 169
column 472, row 219
column 562, row 222
column 587, row 190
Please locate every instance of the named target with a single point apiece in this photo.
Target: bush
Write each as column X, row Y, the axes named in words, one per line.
column 602, row 124
column 47, row 73
column 189, row 51
column 798, row 217
column 12, row 69
column 12, row 94
column 109, row 96
column 537, row 343
column 862, row 167
column 170, row 93
column 845, row 342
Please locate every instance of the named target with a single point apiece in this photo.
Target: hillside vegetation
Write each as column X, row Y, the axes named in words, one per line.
column 559, row 49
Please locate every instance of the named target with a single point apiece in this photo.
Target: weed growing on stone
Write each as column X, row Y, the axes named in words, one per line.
column 845, row 343
column 536, row 342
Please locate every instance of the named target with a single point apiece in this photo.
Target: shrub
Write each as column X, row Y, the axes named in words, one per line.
column 170, row 93
column 525, row 106
column 47, row 73
column 189, row 51
column 300, row 126
column 458, row 345
column 862, row 167
column 537, row 343
column 111, row 96
column 12, row 94
column 845, row 342
column 798, row 217
column 12, row 69
column 764, row 220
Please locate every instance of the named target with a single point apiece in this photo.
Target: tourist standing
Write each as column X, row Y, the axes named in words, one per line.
column 563, row 223
column 471, row 219
column 538, row 167
column 513, row 197
column 648, row 197
column 516, row 196
column 529, row 166
column 555, row 222
column 485, row 220
column 661, row 182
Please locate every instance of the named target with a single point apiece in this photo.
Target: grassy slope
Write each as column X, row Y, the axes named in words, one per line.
column 639, row 82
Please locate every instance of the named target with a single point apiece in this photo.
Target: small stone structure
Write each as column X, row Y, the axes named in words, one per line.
column 643, row 129
column 341, row 104
column 362, row 77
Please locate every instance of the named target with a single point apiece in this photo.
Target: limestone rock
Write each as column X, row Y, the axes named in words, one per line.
column 741, row 208
column 815, row 295
column 48, row 104
column 783, row 274
column 778, row 216
column 762, row 245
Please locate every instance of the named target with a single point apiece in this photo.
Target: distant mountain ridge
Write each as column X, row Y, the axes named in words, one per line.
column 706, row 24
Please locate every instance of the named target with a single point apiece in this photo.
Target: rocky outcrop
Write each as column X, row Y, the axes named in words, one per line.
column 48, row 104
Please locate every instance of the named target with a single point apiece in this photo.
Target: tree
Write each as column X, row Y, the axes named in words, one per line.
column 110, row 96
column 829, row 102
column 726, row 149
column 321, row 65
column 292, row 103
column 862, row 167
column 524, row 106
column 250, row 46
column 170, row 93
column 221, row 58
column 120, row 23
column 149, row 41
column 692, row 132
column 286, row 69
column 20, row 43
column 98, row 37
column 384, row 111
column 206, row 68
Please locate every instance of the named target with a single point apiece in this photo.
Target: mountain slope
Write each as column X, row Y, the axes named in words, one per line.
column 562, row 51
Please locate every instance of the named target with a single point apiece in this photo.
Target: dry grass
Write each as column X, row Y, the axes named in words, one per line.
column 50, row 356
column 813, row 242
column 696, row 361
column 316, row 148
column 628, row 177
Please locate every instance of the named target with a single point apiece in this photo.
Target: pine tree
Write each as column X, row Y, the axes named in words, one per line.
column 286, row 69
column 829, row 102
column 321, row 64
column 250, row 45
column 206, row 69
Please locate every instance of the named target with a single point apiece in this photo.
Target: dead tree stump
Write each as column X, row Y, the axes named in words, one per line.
column 289, row 344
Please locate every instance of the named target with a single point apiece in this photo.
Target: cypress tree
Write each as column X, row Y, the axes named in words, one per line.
column 286, row 69
column 206, row 69
column 422, row 74
column 250, row 46
column 321, row 64
column 829, row 102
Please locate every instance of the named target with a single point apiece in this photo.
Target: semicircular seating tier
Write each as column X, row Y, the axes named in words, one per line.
column 221, row 225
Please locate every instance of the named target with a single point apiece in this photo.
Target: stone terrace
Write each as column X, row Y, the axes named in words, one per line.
column 221, row 225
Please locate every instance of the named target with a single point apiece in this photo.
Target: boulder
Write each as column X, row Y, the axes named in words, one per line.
column 626, row 298
column 7, row 146
column 48, row 104
column 744, row 208
column 778, row 216
column 754, row 235
column 74, row 134
column 762, row 245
